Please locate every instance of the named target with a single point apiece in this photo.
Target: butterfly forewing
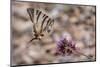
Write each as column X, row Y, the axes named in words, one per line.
column 31, row 14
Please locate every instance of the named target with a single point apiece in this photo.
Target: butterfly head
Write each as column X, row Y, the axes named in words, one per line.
column 39, row 35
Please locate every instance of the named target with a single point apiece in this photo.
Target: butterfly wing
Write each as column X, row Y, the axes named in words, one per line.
column 41, row 20
column 32, row 17
column 46, row 23
column 31, row 14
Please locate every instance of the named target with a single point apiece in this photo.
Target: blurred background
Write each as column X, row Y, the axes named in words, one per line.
column 74, row 21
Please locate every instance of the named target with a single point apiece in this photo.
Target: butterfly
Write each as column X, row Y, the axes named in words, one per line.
column 42, row 23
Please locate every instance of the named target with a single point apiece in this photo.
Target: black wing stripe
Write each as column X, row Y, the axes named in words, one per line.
column 45, row 17
column 47, row 24
column 38, row 13
column 50, row 22
column 31, row 14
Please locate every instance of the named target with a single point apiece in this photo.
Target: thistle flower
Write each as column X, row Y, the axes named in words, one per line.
column 65, row 46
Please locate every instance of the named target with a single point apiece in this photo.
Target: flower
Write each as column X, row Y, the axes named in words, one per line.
column 65, row 46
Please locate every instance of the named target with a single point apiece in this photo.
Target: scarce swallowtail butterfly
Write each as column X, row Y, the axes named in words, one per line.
column 42, row 23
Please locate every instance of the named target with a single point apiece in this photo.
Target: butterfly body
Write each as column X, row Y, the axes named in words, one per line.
column 42, row 23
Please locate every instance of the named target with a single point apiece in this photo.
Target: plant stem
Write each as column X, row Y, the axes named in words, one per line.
column 78, row 53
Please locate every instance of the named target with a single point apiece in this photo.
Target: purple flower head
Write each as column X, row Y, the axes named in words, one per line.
column 65, row 46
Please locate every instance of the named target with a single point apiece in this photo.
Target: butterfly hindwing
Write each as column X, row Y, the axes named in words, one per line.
column 49, row 25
